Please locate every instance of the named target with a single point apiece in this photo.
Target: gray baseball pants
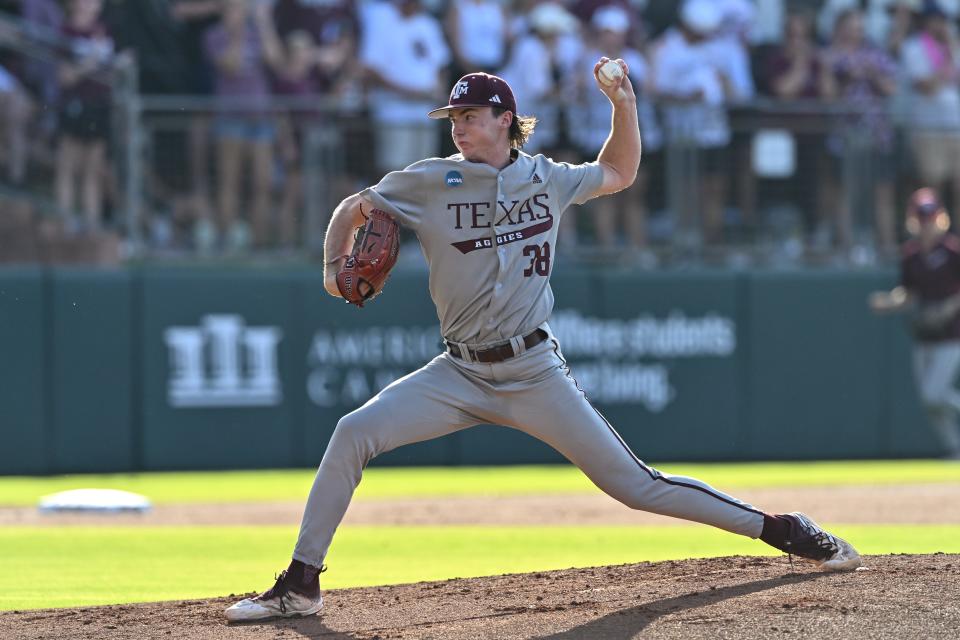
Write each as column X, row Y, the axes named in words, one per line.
column 935, row 367
column 533, row 392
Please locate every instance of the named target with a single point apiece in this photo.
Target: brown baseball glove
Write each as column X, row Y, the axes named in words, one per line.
column 375, row 249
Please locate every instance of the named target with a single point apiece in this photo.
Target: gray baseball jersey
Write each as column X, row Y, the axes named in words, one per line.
column 488, row 237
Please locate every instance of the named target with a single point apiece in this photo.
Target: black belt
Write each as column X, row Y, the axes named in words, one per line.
column 501, row 352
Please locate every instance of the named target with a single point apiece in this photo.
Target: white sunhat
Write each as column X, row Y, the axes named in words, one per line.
column 552, row 19
column 611, row 18
column 702, row 16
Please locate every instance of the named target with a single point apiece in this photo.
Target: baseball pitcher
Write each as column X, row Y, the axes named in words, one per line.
column 487, row 221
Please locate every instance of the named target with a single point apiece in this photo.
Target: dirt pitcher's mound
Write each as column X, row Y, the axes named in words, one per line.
column 737, row 597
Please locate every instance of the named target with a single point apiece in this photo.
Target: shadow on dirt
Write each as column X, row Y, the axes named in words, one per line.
column 627, row 623
column 617, row 625
column 309, row 627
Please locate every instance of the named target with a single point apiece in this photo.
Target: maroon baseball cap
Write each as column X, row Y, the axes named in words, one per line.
column 478, row 90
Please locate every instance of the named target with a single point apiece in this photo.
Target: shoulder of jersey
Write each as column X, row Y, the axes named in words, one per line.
column 428, row 162
column 539, row 167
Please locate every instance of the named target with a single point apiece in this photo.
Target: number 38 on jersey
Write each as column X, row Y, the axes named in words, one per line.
column 539, row 255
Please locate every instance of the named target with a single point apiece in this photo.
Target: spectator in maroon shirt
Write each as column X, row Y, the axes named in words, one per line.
column 326, row 20
column 860, row 78
column 793, row 70
column 930, row 289
column 195, row 18
column 793, row 73
column 296, row 81
column 332, row 26
column 339, row 77
column 84, row 112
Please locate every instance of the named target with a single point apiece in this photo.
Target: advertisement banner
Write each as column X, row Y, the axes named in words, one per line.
column 166, row 368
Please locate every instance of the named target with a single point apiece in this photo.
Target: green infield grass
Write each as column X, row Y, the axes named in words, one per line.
column 75, row 566
column 284, row 485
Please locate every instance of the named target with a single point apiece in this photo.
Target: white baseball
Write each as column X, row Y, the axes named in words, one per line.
column 610, row 73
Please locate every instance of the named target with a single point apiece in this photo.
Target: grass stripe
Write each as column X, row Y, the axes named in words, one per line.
column 46, row 567
column 380, row 483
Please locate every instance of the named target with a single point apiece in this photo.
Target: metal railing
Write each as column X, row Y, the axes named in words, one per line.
column 806, row 204
column 316, row 152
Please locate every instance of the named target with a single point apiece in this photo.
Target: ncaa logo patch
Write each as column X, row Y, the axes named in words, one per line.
column 454, row 179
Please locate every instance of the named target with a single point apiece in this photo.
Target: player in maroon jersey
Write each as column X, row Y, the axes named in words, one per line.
column 929, row 290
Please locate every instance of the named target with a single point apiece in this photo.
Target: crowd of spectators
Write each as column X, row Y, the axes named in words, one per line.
column 231, row 177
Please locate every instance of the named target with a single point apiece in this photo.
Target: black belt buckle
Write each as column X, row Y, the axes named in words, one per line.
column 500, row 352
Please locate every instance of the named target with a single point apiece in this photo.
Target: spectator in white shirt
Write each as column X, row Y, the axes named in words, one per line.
column 694, row 88
column 405, row 56
column 730, row 50
column 478, row 32
column 538, row 62
column 769, row 22
column 589, row 125
column 930, row 61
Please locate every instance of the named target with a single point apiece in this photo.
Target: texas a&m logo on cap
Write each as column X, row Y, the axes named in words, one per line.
column 459, row 89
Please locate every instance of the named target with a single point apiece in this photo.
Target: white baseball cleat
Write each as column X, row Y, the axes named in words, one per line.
column 808, row 541
column 289, row 605
column 845, row 559
column 294, row 594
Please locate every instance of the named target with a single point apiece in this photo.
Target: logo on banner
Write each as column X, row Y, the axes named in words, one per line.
column 223, row 363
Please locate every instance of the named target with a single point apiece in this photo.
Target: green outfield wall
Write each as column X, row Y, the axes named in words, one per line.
column 186, row 368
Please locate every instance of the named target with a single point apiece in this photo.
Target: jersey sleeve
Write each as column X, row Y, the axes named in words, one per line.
column 576, row 183
column 400, row 194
